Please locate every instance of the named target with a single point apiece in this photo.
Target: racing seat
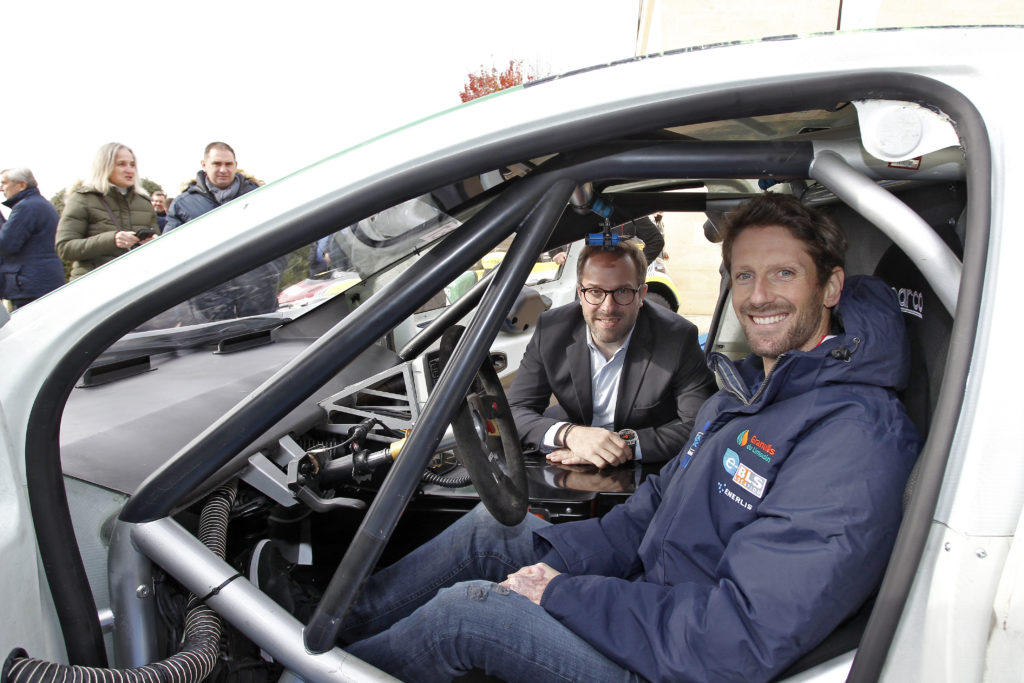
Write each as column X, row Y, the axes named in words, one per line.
column 928, row 326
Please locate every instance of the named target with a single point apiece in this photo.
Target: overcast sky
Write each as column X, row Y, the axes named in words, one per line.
column 285, row 83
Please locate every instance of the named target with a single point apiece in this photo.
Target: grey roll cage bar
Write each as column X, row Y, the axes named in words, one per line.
column 136, row 544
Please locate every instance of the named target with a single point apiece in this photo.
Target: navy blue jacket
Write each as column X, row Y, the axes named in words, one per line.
column 773, row 526
column 29, row 265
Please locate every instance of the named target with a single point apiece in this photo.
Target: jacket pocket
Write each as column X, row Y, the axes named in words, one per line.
column 10, row 280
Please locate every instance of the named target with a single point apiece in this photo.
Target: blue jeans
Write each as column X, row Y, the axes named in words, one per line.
column 439, row 613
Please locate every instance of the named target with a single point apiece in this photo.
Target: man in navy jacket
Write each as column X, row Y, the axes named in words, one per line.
column 29, row 265
column 217, row 183
column 772, row 526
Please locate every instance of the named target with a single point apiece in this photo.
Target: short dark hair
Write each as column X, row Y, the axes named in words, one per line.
column 824, row 239
column 627, row 249
column 218, row 145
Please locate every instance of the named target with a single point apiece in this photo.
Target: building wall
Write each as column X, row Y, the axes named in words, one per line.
column 668, row 24
column 693, row 265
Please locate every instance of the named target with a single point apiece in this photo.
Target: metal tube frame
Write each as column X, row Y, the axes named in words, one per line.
column 132, row 600
column 323, row 359
column 898, row 221
column 474, row 346
column 248, row 609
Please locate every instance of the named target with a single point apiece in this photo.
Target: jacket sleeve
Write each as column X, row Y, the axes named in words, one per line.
column 15, row 232
column 530, row 393
column 813, row 555
column 175, row 215
column 154, row 224
column 73, row 242
column 692, row 384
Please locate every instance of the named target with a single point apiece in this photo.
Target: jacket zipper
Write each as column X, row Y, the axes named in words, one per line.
column 730, row 382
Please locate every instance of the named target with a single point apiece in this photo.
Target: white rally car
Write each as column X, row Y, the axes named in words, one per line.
column 150, row 451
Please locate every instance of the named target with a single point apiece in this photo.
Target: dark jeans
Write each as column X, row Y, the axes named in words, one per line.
column 439, row 613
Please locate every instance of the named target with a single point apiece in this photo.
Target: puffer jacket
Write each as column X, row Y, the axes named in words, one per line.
column 29, row 267
column 197, row 199
column 771, row 528
column 251, row 293
column 85, row 234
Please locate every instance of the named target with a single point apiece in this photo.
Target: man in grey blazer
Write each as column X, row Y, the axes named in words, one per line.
column 612, row 363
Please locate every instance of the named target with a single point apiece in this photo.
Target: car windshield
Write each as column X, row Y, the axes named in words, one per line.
column 286, row 287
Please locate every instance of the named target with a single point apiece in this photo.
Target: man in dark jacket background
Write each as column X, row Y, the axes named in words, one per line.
column 29, row 265
column 769, row 529
column 219, row 182
column 160, row 201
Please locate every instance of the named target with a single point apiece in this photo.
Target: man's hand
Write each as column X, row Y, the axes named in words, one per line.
column 559, row 258
column 531, row 581
column 594, row 446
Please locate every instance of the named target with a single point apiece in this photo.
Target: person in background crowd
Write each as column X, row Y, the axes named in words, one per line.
column 108, row 215
column 29, row 266
column 217, row 183
column 160, row 203
column 650, row 234
column 659, row 222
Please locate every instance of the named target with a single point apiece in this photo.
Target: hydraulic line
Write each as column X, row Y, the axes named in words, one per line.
column 203, row 628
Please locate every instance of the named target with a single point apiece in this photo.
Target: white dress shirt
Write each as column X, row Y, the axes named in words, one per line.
column 604, row 388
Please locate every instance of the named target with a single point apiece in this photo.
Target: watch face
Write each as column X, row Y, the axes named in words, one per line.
column 629, row 436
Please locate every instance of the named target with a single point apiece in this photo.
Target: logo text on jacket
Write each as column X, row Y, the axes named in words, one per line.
column 743, row 475
column 760, row 448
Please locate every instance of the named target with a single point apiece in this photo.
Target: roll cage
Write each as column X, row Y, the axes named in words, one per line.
column 532, row 207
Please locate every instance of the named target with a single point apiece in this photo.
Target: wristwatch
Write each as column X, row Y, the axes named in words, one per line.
column 630, row 437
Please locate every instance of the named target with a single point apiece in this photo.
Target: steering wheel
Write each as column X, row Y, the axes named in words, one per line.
column 487, row 440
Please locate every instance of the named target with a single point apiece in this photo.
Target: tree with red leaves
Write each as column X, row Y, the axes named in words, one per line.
column 485, row 81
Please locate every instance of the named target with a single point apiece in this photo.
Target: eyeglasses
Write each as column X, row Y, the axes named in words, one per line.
column 623, row 296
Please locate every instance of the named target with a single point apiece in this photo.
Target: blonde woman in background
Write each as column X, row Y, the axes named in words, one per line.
column 108, row 215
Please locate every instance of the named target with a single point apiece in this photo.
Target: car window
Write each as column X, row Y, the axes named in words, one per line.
column 286, row 286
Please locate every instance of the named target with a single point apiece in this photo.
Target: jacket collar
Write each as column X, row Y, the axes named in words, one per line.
column 27, row 192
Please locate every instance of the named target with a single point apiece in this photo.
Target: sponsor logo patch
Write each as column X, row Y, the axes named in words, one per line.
column 725, row 491
column 697, row 441
column 730, row 460
column 911, row 301
column 750, row 480
column 758, row 447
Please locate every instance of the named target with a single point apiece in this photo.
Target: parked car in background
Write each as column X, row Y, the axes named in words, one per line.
column 143, row 460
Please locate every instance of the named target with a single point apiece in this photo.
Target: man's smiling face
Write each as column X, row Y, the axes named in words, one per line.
column 776, row 294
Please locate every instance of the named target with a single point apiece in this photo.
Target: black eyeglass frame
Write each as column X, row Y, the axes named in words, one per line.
column 584, row 293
